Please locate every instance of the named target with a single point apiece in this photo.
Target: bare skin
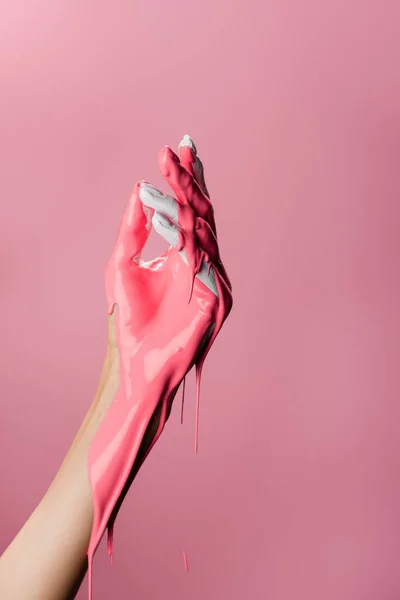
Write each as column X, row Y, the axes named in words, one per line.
column 54, row 569
column 63, row 519
column 47, row 559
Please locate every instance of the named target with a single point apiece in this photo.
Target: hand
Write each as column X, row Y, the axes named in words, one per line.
column 150, row 294
column 168, row 313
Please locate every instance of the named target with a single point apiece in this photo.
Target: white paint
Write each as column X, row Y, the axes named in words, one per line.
column 165, row 219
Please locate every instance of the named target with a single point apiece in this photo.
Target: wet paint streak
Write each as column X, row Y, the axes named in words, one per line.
column 185, row 561
column 158, row 334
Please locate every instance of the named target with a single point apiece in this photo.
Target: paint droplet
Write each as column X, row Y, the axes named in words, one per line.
column 185, row 561
column 110, row 536
column 183, row 398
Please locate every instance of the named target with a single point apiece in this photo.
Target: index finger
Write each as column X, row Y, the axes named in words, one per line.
column 185, row 187
column 191, row 161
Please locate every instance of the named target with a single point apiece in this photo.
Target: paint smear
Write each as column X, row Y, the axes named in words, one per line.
column 156, row 352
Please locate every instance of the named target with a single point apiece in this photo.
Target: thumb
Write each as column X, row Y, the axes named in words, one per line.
column 134, row 229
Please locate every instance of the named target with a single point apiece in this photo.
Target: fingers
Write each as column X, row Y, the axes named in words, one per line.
column 187, row 153
column 165, row 220
column 165, row 223
column 134, row 228
column 191, row 162
column 207, row 240
column 206, row 275
column 207, row 236
column 153, row 198
column 170, row 233
column 185, row 188
column 166, row 229
column 186, row 222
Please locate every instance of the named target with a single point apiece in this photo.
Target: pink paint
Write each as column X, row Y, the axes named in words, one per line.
column 297, row 106
column 185, row 561
column 159, row 333
column 110, row 537
column 183, row 398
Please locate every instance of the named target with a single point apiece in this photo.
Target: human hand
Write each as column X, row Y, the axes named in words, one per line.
column 167, row 313
column 152, row 297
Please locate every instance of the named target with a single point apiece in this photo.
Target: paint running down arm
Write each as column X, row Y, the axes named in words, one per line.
column 169, row 313
column 48, row 558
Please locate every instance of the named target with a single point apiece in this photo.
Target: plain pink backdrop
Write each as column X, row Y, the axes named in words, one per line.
column 295, row 109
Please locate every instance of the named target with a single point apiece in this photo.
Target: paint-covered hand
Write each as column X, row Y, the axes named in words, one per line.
column 170, row 309
column 187, row 219
column 164, row 315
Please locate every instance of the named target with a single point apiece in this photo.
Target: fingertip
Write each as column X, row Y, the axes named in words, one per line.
column 135, row 225
column 187, row 158
column 187, row 142
column 132, row 205
column 144, row 194
column 141, row 183
column 134, row 197
column 136, row 188
column 165, row 160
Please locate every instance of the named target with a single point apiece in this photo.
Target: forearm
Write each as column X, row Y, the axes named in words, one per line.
column 47, row 559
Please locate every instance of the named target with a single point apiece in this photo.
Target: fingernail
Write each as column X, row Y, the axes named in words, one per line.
column 187, row 141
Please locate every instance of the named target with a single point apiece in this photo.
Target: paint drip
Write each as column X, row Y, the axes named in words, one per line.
column 185, row 561
column 158, row 339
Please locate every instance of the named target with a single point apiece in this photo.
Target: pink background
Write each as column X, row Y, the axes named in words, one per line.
column 295, row 108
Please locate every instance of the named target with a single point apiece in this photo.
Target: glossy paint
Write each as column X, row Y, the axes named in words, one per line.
column 167, row 320
column 295, row 109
